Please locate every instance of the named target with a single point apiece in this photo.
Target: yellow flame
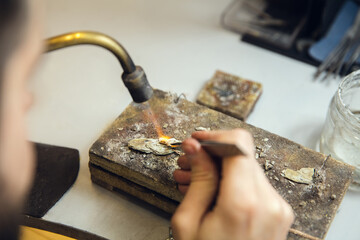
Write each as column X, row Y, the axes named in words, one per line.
column 162, row 137
column 164, row 140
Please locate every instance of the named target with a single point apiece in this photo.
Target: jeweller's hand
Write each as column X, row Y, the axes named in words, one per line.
column 246, row 205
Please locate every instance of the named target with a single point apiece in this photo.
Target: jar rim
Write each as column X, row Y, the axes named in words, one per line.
column 354, row 76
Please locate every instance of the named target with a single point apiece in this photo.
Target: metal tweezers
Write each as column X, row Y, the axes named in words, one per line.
column 218, row 149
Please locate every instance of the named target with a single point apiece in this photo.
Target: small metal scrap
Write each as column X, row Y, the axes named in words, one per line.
column 170, row 235
column 320, row 173
column 262, row 155
column 170, row 142
column 149, row 145
column 304, row 175
column 268, row 165
column 202, row 129
column 135, row 128
column 179, row 97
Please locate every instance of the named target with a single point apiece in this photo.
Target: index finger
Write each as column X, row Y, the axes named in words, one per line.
column 238, row 172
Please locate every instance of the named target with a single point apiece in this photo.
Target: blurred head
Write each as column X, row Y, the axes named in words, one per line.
column 20, row 47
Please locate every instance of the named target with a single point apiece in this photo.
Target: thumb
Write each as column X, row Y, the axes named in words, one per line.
column 201, row 192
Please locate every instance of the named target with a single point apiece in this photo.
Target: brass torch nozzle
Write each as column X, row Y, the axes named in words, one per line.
column 133, row 77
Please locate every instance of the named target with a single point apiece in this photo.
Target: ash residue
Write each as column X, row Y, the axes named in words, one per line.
column 175, row 115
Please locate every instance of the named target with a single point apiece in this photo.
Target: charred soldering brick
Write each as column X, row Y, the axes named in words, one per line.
column 149, row 177
column 230, row 94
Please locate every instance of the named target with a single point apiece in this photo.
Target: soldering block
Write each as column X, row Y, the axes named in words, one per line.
column 230, row 94
column 149, row 177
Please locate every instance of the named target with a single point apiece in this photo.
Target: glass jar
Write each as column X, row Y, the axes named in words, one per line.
column 341, row 133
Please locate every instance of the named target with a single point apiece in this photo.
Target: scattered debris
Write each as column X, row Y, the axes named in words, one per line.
column 312, row 201
column 149, row 164
column 268, row 165
column 256, row 155
column 134, row 128
column 333, row 197
column 304, row 175
column 149, row 145
column 178, row 152
column 320, row 173
column 276, row 178
column 165, row 125
column 325, row 160
column 177, row 98
column 265, row 139
column 262, row 155
column 291, row 183
column 302, row 204
column 120, row 129
column 202, row 129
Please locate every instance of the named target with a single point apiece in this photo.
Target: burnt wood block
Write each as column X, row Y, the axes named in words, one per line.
column 315, row 205
column 230, row 94
column 116, row 183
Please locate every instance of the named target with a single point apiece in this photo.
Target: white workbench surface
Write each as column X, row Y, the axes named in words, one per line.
column 180, row 44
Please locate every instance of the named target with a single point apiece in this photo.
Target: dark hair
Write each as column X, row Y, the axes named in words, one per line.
column 12, row 19
column 12, row 22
